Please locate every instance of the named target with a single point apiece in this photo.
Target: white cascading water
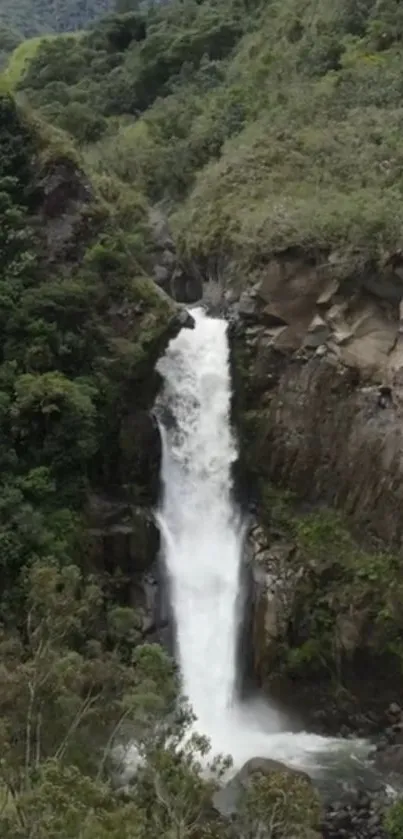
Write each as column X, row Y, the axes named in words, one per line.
column 202, row 544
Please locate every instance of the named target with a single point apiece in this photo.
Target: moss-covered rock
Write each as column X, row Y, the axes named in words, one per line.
column 267, row 795
column 326, row 607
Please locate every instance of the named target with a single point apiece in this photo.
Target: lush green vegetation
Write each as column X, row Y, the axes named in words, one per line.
column 347, row 605
column 262, row 127
column 63, row 361
column 81, row 326
column 269, row 125
column 394, row 821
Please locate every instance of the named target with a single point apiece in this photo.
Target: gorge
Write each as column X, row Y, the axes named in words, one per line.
column 203, row 549
column 244, row 457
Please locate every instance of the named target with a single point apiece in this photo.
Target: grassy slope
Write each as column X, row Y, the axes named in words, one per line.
column 318, row 165
column 19, row 58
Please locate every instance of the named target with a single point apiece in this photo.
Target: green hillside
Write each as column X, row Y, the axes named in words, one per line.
column 258, row 127
column 279, row 123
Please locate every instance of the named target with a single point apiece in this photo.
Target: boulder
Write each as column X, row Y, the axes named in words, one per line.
column 266, row 766
column 390, row 760
column 266, row 790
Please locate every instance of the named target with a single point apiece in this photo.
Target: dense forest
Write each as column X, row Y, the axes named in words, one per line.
column 34, row 17
column 295, row 107
column 259, row 127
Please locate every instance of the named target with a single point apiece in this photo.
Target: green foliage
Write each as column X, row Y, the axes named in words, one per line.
column 20, row 57
column 394, row 821
column 71, row 705
column 280, row 122
column 314, row 168
column 127, row 61
column 348, row 600
column 279, row 805
column 75, row 337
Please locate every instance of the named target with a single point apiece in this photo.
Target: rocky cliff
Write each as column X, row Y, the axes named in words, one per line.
column 318, row 366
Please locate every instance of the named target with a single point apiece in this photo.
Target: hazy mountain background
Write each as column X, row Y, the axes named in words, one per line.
column 34, row 17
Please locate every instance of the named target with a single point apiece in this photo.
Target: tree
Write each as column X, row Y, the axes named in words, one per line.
column 278, row 805
column 71, row 705
column 68, row 697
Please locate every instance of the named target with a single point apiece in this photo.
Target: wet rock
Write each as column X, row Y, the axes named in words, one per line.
column 360, row 818
column 247, row 308
column 394, row 710
column 123, row 537
column 160, row 231
column 176, row 279
column 266, row 766
column 66, row 191
column 185, row 287
column 162, row 276
column 275, row 584
column 390, row 759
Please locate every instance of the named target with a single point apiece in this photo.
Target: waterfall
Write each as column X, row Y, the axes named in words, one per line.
column 201, row 529
column 202, row 539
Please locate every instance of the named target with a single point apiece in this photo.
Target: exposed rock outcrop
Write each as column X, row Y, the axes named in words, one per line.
column 170, row 273
column 124, row 543
column 321, row 367
column 275, row 586
column 318, row 369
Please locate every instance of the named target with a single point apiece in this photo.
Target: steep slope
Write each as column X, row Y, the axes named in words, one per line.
column 271, row 135
column 81, row 329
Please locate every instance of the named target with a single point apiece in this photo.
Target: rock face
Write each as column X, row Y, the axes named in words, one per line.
column 275, row 586
column 318, row 378
column 176, row 279
column 322, row 368
column 66, row 194
column 124, row 543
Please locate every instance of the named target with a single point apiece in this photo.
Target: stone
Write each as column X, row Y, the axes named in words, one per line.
column 266, row 766
column 390, row 759
column 168, row 259
column 331, row 288
column 275, row 584
column 350, row 629
column 271, row 316
column 66, row 191
column 186, row 288
column 318, row 333
column 247, row 307
column 162, row 275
